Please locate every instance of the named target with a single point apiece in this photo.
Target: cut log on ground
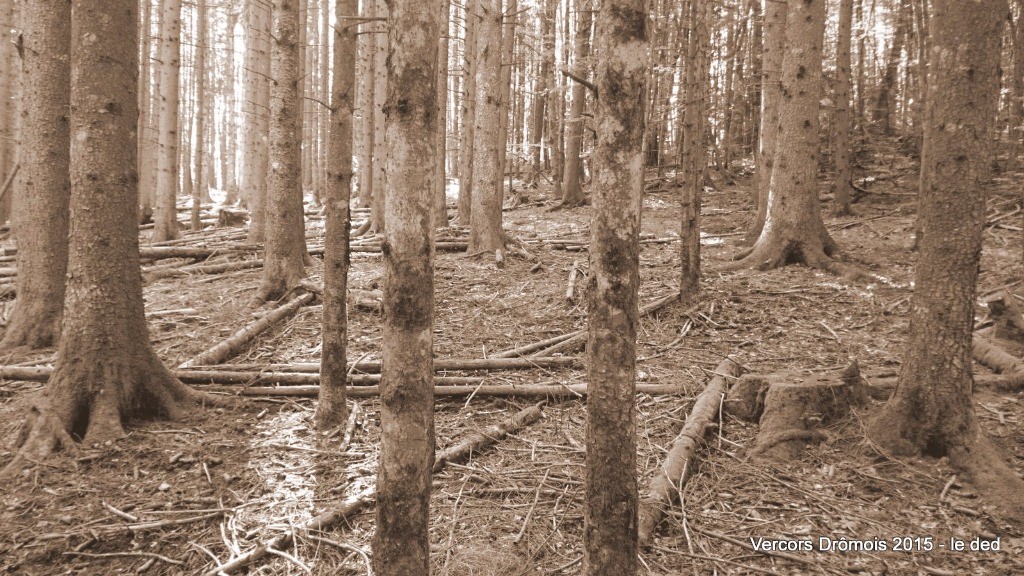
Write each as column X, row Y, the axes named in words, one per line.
column 1007, row 321
column 356, row 504
column 163, row 252
column 797, row 406
column 519, row 390
column 668, row 481
column 175, row 271
column 440, row 364
column 991, row 355
column 234, row 344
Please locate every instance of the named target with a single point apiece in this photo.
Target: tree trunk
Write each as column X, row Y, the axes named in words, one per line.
column 844, row 120
column 539, row 111
column 508, row 44
column 485, row 233
column 1016, row 82
column 146, row 117
column 440, row 211
column 380, row 86
column 774, row 31
column 41, row 208
column 467, row 138
column 9, row 75
column 401, row 544
column 793, row 231
column 200, row 187
column 331, row 410
column 610, row 513
column 285, row 246
column 694, row 157
column 555, row 106
column 258, row 209
column 572, row 190
column 229, row 140
column 367, row 48
column 165, row 215
column 931, row 412
column 885, row 103
column 106, row 372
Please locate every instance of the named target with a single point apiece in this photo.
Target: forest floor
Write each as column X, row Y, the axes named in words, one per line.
column 178, row 497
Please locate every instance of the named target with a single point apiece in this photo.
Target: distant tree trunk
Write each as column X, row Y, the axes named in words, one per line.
column 1016, row 89
column 285, row 246
column 771, row 74
column 467, row 138
column 572, row 190
column 165, row 214
column 885, row 103
column 43, row 188
column 324, row 91
column 485, row 233
column 694, row 157
column 380, row 87
column 106, row 372
column 754, row 97
column 861, row 71
column 610, row 513
column 367, row 48
column 147, row 174
column 229, row 148
column 256, row 86
column 258, row 208
column 545, row 87
column 331, row 409
column 441, row 192
column 931, row 410
column 201, row 188
column 844, row 121
column 794, row 232
column 8, row 98
column 401, row 544
column 555, row 106
column 508, row 42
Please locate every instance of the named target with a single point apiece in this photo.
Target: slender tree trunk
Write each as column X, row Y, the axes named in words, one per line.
column 771, row 74
column 201, row 188
column 694, row 158
column 485, row 232
column 258, row 59
column 367, row 48
column 540, row 110
column 331, row 409
column 610, row 513
column 468, row 136
column 285, row 246
column 1016, row 89
column 229, row 147
column 106, row 372
column 380, row 87
column 43, row 188
column 793, row 231
column 146, row 132
column 885, row 104
column 401, row 544
column 931, row 412
column 440, row 211
column 572, row 189
column 508, row 38
column 8, row 75
column 861, row 65
column 165, row 215
column 844, row 120
column 754, row 99
column 556, row 107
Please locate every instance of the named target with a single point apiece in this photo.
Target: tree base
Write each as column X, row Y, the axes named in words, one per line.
column 74, row 409
column 776, row 253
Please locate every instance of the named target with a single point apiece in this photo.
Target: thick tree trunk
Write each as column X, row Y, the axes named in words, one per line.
column 331, row 410
column 793, row 231
column 485, row 233
column 694, row 156
column 261, row 151
column 844, row 120
column 467, row 138
column 401, row 544
column 572, row 189
column 610, row 513
column 165, row 214
column 41, row 208
column 285, row 246
column 931, row 411
column 106, row 372
column 774, row 31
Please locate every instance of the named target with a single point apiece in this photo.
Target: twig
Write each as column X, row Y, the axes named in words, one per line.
column 126, row 554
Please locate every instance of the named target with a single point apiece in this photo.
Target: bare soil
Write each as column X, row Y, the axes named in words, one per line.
column 178, row 497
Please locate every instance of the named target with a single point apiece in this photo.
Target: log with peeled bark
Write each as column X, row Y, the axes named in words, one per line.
column 234, row 344
column 668, row 481
column 355, row 504
column 373, row 367
column 517, row 390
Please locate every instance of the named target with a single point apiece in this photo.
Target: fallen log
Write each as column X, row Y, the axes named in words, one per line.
column 163, row 252
column 191, row 376
column 373, row 366
column 357, row 503
column 202, row 269
column 989, row 354
column 520, row 390
column 233, row 345
column 677, row 468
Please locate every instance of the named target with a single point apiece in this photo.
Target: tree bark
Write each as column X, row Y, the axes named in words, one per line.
column 931, row 412
column 200, row 187
column 572, row 190
column 610, row 513
column 165, row 214
column 106, row 372
column 285, row 236
column 331, row 410
column 367, row 47
column 378, row 211
column 401, row 544
column 793, row 231
column 844, row 120
column 41, row 208
column 440, row 210
column 467, row 138
column 485, row 232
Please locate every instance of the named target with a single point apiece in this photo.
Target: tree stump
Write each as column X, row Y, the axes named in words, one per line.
column 797, row 406
column 745, row 400
column 232, row 217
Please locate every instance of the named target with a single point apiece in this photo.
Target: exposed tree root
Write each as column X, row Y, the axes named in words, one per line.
column 767, row 255
column 981, row 463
